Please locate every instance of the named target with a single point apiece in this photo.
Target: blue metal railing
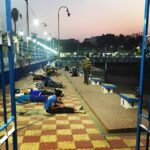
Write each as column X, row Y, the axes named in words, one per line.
column 6, row 40
column 141, row 83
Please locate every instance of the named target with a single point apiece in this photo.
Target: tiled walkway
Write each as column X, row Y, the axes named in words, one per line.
column 38, row 130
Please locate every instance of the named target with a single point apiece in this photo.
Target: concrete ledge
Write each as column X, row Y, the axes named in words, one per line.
column 128, row 101
column 95, row 81
column 108, row 88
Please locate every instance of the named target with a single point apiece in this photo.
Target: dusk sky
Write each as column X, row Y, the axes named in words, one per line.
column 88, row 17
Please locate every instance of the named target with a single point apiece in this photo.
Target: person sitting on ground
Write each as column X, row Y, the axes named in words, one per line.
column 66, row 68
column 52, row 106
column 74, row 72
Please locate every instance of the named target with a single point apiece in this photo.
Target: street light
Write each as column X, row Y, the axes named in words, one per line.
column 36, row 22
column 45, row 33
column 68, row 13
column 27, row 17
column 21, row 33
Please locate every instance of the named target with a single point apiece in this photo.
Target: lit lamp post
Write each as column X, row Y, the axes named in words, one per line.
column 21, row 33
column 68, row 13
column 27, row 18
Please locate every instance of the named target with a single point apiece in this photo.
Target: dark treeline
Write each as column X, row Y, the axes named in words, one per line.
column 103, row 43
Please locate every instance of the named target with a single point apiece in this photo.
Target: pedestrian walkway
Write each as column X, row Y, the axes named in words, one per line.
column 38, row 130
column 106, row 107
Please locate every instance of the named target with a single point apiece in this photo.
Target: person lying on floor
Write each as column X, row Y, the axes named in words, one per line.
column 50, row 71
column 53, row 104
column 53, row 107
column 38, row 92
column 27, row 98
column 37, row 76
column 48, row 82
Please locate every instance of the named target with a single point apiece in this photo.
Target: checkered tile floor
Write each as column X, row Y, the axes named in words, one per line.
column 38, row 130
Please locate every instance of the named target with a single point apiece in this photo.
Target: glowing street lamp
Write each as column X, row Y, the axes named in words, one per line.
column 45, row 33
column 21, row 33
column 27, row 18
column 36, row 22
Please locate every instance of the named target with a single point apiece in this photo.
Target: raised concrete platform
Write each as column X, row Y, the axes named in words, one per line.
column 108, row 88
column 95, row 81
column 128, row 101
column 106, row 107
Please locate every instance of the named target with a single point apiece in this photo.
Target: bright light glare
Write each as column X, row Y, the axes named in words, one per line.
column 36, row 22
column 48, row 48
column 28, row 38
column 21, row 33
column 49, row 38
column 34, row 40
column 45, row 33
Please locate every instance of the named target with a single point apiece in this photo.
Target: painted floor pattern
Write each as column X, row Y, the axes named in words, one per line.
column 38, row 130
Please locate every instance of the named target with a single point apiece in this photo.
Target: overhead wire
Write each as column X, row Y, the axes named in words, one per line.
column 33, row 12
column 44, row 25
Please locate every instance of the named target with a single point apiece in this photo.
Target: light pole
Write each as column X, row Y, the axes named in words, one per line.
column 27, row 17
column 68, row 13
column 21, row 33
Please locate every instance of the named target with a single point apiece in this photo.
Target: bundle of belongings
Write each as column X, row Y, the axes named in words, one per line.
column 74, row 72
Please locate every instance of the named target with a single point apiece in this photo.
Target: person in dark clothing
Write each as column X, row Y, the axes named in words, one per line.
column 66, row 68
column 48, row 82
column 37, row 77
column 22, row 61
column 74, row 72
column 50, row 71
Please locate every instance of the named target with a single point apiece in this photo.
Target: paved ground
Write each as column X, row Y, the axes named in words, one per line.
column 40, row 131
column 106, row 107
